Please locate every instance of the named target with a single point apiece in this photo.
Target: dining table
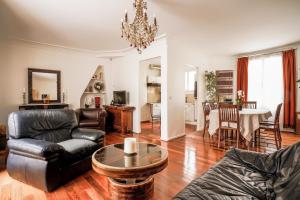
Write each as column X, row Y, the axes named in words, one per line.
column 249, row 121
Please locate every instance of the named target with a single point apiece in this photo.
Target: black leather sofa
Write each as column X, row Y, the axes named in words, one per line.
column 249, row 175
column 46, row 147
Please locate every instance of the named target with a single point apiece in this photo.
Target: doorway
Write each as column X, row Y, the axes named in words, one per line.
column 191, row 102
column 150, row 96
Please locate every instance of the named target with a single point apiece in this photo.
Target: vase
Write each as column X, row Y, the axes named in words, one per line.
column 240, row 107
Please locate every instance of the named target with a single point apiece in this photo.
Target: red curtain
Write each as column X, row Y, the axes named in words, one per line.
column 289, row 79
column 242, row 75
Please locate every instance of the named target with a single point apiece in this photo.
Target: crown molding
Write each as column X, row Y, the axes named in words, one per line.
column 272, row 50
column 109, row 54
column 122, row 52
column 53, row 45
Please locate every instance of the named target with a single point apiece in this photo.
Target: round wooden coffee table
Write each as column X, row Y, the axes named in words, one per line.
column 130, row 176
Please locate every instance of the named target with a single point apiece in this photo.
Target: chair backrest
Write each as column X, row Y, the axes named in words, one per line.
column 250, row 104
column 89, row 113
column 47, row 125
column 277, row 114
column 213, row 105
column 228, row 113
column 155, row 110
column 206, row 108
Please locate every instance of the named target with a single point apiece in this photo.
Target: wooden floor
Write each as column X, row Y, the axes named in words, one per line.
column 189, row 157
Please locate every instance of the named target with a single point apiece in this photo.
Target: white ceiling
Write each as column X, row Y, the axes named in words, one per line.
column 219, row 26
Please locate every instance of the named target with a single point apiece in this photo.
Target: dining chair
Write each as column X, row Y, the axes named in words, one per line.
column 250, row 104
column 213, row 105
column 229, row 120
column 273, row 126
column 155, row 112
column 206, row 111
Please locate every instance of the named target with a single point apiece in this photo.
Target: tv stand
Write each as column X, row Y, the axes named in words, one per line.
column 119, row 118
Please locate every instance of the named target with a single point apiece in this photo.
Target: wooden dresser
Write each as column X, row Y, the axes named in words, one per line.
column 43, row 106
column 298, row 122
column 119, row 118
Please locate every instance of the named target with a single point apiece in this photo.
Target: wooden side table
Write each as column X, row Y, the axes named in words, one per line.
column 130, row 176
column 121, row 118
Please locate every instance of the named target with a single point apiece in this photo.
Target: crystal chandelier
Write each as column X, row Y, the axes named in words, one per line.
column 139, row 33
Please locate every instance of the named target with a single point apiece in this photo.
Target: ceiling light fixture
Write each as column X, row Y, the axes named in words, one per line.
column 139, row 33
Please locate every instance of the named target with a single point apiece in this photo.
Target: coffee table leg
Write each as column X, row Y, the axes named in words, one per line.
column 140, row 189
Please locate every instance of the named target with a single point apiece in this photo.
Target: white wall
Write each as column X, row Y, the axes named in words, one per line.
column 77, row 67
column 179, row 56
column 125, row 76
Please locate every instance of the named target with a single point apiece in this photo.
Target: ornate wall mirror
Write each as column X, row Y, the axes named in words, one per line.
column 43, row 86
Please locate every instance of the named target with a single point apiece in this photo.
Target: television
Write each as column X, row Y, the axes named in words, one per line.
column 120, row 97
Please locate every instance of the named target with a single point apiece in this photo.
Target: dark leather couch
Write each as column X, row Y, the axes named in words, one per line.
column 46, row 147
column 249, row 175
column 91, row 118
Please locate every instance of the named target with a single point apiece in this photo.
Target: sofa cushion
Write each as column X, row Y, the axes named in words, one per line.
column 229, row 179
column 88, row 134
column 34, row 148
column 77, row 149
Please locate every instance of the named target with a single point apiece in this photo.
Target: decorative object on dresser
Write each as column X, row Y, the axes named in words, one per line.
column 97, row 102
column 140, row 33
column 249, row 175
column 24, row 96
column 46, row 147
column 120, row 98
column 119, row 118
column 91, row 118
column 42, row 83
column 130, row 177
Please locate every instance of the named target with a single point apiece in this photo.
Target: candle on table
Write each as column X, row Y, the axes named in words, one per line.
column 130, row 145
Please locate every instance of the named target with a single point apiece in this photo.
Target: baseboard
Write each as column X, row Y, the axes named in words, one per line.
column 173, row 138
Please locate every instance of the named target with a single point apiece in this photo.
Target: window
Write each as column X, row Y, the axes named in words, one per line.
column 265, row 81
column 190, row 78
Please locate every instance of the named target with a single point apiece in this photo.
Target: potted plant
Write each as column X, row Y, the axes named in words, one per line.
column 211, row 86
column 240, row 99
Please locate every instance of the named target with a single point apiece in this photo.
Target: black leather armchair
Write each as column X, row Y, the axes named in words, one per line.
column 249, row 175
column 46, row 147
column 91, row 118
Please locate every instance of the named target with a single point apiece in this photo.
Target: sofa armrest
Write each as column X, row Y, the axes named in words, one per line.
column 102, row 113
column 34, row 148
column 88, row 134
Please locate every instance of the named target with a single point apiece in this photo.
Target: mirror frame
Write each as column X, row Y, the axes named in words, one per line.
column 57, row 72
